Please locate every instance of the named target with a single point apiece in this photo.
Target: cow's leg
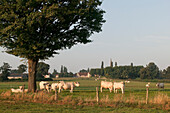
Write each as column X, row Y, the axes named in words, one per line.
column 71, row 91
column 122, row 90
column 101, row 89
column 59, row 89
column 114, row 89
column 110, row 90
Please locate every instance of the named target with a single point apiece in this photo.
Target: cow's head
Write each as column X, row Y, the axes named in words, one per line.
column 21, row 87
column 77, row 84
column 157, row 84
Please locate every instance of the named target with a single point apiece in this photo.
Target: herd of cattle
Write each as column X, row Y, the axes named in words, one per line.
column 71, row 85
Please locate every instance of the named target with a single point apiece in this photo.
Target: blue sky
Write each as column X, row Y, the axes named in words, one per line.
column 136, row 31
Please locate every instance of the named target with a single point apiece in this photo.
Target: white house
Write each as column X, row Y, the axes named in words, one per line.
column 18, row 76
column 46, row 76
column 84, row 74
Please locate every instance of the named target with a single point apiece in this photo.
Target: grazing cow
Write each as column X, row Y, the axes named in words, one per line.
column 119, row 85
column 68, row 85
column 127, row 81
column 21, row 87
column 19, row 90
column 148, row 85
column 45, row 85
column 16, row 90
column 160, row 85
column 105, row 84
column 60, row 85
column 54, row 85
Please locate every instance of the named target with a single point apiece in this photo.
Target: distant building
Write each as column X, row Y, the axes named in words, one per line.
column 47, row 76
column 56, row 76
column 84, row 74
column 18, row 76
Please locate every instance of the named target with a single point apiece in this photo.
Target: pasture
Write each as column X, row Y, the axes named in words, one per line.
column 83, row 98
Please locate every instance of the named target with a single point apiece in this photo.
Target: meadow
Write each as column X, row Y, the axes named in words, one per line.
column 83, row 99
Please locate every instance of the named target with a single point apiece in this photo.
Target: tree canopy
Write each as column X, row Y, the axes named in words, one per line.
column 35, row 29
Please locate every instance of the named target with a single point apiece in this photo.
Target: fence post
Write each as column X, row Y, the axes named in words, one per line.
column 23, row 89
column 97, row 94
column 56, row 95
column 147, row 91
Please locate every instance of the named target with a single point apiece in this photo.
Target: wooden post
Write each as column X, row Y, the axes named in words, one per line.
column 23, row 89
column 56, row 95
column 147, row 91
column 97, row 95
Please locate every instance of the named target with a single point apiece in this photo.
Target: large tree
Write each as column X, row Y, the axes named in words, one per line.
column 37, row 29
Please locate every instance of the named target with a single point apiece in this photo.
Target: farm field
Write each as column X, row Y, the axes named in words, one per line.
column 132, row 101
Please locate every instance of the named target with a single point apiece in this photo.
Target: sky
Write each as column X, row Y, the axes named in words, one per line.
column 136, row 31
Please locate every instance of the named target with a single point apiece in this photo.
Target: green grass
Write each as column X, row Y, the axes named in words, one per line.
column 27, row 107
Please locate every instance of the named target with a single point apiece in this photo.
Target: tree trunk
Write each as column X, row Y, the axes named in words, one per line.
column 32, row 69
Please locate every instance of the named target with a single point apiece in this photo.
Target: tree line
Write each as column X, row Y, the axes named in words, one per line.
column 151, row 71
column 42, row 69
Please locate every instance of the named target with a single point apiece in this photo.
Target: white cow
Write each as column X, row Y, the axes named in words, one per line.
column 19, row 90
column 106, row 85
column 45, row 85
column 60, row 85
column 127, row 81
column 160, row 85
column 54, row 85
column 148, row 85
column 16, row 90
column 119, row 85
column 68, row 85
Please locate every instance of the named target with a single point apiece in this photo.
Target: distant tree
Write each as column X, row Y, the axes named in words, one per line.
column 150, row 72
column 115, row 64
column 22, row 68
column 54, row 73
column 92, row 72
column 38, row 29
column 125, row 75
column 62, row 69
column 166, row 73
column 14, row 71
column 102, row 65
column 143, row 73
column 83, row 70
column 65, row 70
column 5, row 69
column 42, row 69
column 111, row 63
column 131, row 64
column 102, row 68
column 88, row 70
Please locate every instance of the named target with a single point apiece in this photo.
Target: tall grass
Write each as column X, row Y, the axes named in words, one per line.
column 160, row 100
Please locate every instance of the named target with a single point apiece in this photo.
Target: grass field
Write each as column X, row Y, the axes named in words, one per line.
column 83, row 98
